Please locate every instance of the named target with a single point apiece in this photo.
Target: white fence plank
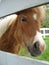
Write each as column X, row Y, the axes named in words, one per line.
column 11, row 6
column 12, row 59
column 44, row 34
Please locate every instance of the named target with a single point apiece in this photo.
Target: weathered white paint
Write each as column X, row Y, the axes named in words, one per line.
column 11, row 6
column 12, row 59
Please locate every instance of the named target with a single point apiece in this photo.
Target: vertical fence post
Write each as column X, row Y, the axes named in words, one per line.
column 44, row 32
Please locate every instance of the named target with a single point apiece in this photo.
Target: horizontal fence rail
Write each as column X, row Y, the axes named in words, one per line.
column 12, row 59
column 45, row 32
column 11, row 6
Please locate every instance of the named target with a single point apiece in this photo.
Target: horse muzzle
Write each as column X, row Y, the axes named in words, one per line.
column 38, row 45
column 36, row 49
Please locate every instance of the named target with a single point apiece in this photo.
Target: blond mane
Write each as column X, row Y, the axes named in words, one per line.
column 6, row 22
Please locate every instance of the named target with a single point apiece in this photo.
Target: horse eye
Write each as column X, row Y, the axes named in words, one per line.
column 23, row 19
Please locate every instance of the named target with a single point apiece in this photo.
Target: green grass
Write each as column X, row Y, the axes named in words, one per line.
column 44, row 56
column 47, row 12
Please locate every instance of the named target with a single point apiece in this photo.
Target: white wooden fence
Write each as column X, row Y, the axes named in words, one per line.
column 12, row 59
column 45, row 32
column 6, row 7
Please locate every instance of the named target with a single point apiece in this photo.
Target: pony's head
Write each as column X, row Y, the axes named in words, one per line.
column 28, row 29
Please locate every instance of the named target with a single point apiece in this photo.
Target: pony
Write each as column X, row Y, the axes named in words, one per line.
column 23, row 28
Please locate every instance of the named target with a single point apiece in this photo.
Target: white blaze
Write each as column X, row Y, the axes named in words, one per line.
column 35, row 16
column 38, row 37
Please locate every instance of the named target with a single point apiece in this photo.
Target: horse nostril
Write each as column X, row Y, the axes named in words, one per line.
column 36, row 45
